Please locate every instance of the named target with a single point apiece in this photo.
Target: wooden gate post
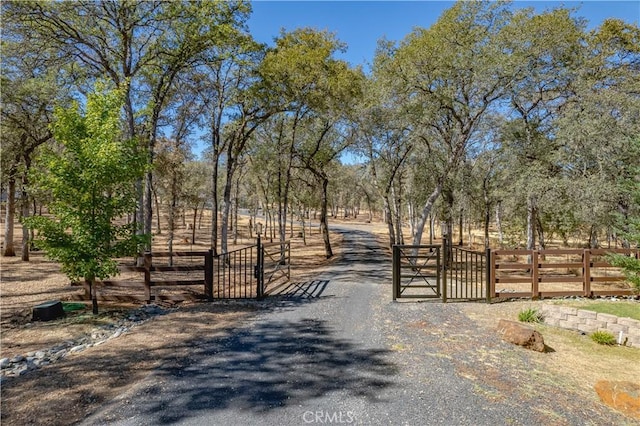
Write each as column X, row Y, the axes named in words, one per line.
column 586, row 273
column 488, row 264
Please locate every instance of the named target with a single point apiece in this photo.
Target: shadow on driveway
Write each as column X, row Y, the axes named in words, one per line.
column 267, row 366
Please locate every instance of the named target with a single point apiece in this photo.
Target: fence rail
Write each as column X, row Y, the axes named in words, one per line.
column 556, row 273
column 157, row 288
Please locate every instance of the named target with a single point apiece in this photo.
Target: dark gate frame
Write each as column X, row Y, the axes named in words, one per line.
column 461, row 274
column 407, row 257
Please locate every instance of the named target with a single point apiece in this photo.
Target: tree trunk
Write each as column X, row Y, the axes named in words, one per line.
column 193, row 227
column 487, row 221
column 172, row 215
column 389, row 222
column 531, row 222
column 461, row 228
column 214, row 205
column 158, row 222
column 26, row 244
column 540, row 231
column 226, row 209
column 93, row 294
column 593, row 237
column 201, row 214
column 432, row 225
column 499, row 223
column 426, row 210
column 9, row 248
column 324, row 227
column 397, row 216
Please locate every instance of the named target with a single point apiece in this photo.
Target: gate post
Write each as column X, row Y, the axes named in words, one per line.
column 488, row 264
column 443, row 271
column 208, row 275
column 396, row 272
column 260, row 269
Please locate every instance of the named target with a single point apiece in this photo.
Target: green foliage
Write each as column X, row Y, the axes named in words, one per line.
column 603, row 338
column 530, row 315
column 629, row 264
column 90, row 176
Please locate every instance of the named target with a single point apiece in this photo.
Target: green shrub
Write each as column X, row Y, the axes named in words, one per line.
column 530, row 315
column 603, row 338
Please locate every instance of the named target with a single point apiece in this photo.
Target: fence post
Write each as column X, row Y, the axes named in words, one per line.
column 535, row 287
column 586, row 272
column 396, row 272
column 488, row 264
column 147, row 276
column 208, row 275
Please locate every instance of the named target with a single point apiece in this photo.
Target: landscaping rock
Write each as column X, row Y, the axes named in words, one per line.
column 520, row 334
column 623, row 396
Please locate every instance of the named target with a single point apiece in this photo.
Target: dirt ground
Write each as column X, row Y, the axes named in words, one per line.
column 67, row 391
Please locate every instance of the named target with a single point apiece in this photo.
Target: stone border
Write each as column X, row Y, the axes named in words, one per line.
column 22, row 364
column 589, row 321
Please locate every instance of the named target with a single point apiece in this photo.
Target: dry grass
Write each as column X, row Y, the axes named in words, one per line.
column 576, row 361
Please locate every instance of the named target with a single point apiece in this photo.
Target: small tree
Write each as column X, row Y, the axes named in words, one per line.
column 90, row 175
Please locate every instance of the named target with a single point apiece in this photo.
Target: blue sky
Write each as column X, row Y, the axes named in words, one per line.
column 360, row 24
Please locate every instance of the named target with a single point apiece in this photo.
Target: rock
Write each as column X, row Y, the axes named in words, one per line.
column 520, row 334
column 623, row 396
column 16, row 359
column 77, row 348
column 5, row 362
column 40, row 355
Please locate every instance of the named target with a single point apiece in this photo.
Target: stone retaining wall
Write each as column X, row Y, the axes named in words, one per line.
column 589, row 321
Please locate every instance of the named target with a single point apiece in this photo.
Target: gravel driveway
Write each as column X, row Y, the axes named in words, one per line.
column 337, row 350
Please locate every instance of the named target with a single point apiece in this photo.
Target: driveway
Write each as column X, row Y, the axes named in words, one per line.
column 336, row 350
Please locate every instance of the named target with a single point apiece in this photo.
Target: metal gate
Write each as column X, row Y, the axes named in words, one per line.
column 251, row 272
column 416, row 271
column 466, row 275
column 442, row 272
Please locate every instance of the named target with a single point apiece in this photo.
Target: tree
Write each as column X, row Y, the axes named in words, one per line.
column 28, row 89
column 140, row 46
column 90, row 175
column 318, row 91
column 546, row 53
column 384, row 137
column 447, row 78
column 631, row 265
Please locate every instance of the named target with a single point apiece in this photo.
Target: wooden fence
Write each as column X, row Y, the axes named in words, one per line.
column 182, row 285
column 556, row 273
